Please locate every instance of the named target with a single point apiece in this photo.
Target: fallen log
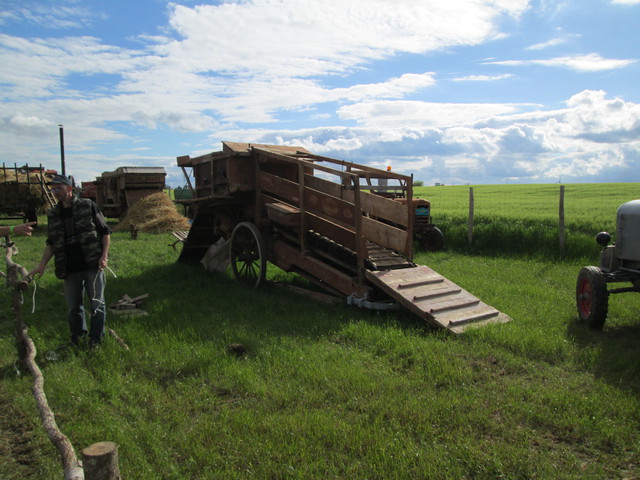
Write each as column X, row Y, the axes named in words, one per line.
column 19, row 280
column 72, row 469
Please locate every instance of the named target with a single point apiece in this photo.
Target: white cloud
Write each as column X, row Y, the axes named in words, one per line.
column 549, row 43
column 626, row 2
column 421, row 114
column 288, row 38
column 56, row 16
column 591, row 62
column 594, row 116
column 483, row 78
column 593, row 135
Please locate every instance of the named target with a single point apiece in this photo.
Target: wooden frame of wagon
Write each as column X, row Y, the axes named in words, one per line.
column 350, row 235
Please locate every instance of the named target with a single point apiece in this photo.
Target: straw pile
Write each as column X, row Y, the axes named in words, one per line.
column 154, row 213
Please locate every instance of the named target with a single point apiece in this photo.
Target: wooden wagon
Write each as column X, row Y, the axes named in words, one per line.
column 332, row 221
column 117, row 191
column 24, row 191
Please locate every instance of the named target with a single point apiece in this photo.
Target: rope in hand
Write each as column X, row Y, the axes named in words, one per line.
column 95, row 279
column 35, row 286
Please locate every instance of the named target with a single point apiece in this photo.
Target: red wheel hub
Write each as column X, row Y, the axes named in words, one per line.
column 585, row 294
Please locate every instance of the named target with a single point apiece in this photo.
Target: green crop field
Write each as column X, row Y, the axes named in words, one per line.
column 331, row 391
column 524, row 219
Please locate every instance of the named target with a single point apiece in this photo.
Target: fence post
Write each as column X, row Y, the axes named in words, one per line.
column 470, row 224
column 561, row 220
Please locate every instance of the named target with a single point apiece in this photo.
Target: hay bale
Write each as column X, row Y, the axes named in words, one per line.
column 19, row 190
column 153, row 214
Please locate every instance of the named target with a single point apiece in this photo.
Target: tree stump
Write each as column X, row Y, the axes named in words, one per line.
column 100, row 461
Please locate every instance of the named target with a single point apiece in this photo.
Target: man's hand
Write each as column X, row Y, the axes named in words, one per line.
column 24, row 229
column 39, row 270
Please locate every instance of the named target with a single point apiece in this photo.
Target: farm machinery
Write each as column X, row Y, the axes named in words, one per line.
column 337, row 223
column 24, row 191
column 619, row 262
column 117, row 191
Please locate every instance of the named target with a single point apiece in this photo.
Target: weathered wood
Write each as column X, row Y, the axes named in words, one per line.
column 100, row 461
column 283, row 214
column 122, row 343
column 470, row 223
column 181, row 237
column 385, row 235
column 19, row 280
column 436, row 299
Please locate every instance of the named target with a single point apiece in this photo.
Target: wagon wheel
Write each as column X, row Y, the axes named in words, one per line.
column 592, row 297
column 432, row 239
column 247, row 254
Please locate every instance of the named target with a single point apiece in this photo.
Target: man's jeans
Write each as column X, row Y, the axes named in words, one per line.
column 75, row 284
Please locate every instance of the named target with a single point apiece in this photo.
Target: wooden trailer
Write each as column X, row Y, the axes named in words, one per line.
column 117, row 191
column 331, row 221
column 24, row 192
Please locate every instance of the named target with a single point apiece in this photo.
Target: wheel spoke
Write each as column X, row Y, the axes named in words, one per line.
column 247, row 254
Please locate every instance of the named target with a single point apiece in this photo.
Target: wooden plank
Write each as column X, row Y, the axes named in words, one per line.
column 374, row 205
column 283, row 214
column 328, row 187
column 436, row 299
column 385, row 235
column 290, row 259
column 385, row 209
column 333, row 231
column 316, row 202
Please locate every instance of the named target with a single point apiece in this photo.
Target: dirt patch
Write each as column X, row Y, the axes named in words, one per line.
column 17, row 451
column 153, row 214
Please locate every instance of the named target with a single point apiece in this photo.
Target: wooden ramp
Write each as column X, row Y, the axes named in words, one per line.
column 439, row 301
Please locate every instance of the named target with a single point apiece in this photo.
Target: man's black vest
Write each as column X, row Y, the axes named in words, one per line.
column 85, row 232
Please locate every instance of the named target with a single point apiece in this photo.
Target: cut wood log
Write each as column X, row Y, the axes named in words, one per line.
column 100, row 461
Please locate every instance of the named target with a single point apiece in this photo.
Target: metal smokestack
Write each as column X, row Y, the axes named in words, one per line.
column 62, row 149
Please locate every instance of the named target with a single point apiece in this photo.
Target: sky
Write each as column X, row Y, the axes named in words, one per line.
column 453, row 92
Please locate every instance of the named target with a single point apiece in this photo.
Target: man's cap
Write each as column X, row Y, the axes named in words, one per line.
column 61, row 179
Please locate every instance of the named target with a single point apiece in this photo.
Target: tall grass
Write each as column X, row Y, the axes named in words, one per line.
column 329, row 391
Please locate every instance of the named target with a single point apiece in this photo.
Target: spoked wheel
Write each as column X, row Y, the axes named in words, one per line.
column 432, row 239
column 592, row 297
column 247, row 254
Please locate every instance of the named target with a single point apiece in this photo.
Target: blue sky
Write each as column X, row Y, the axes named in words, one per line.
column 456, row 92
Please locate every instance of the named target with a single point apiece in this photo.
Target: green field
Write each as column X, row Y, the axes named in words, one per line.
column 334, row 391
column 523, row 219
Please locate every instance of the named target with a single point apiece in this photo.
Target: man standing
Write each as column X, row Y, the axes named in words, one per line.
column 79, row 238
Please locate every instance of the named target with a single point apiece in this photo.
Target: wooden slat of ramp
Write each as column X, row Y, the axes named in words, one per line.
column 431, row 296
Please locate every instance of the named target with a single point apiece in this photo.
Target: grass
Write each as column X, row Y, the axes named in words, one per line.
column 330, row 391
column 523, row 219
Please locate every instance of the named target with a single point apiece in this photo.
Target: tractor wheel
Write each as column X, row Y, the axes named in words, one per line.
column 592, row 297
column 247, row 254
column 432, row 239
